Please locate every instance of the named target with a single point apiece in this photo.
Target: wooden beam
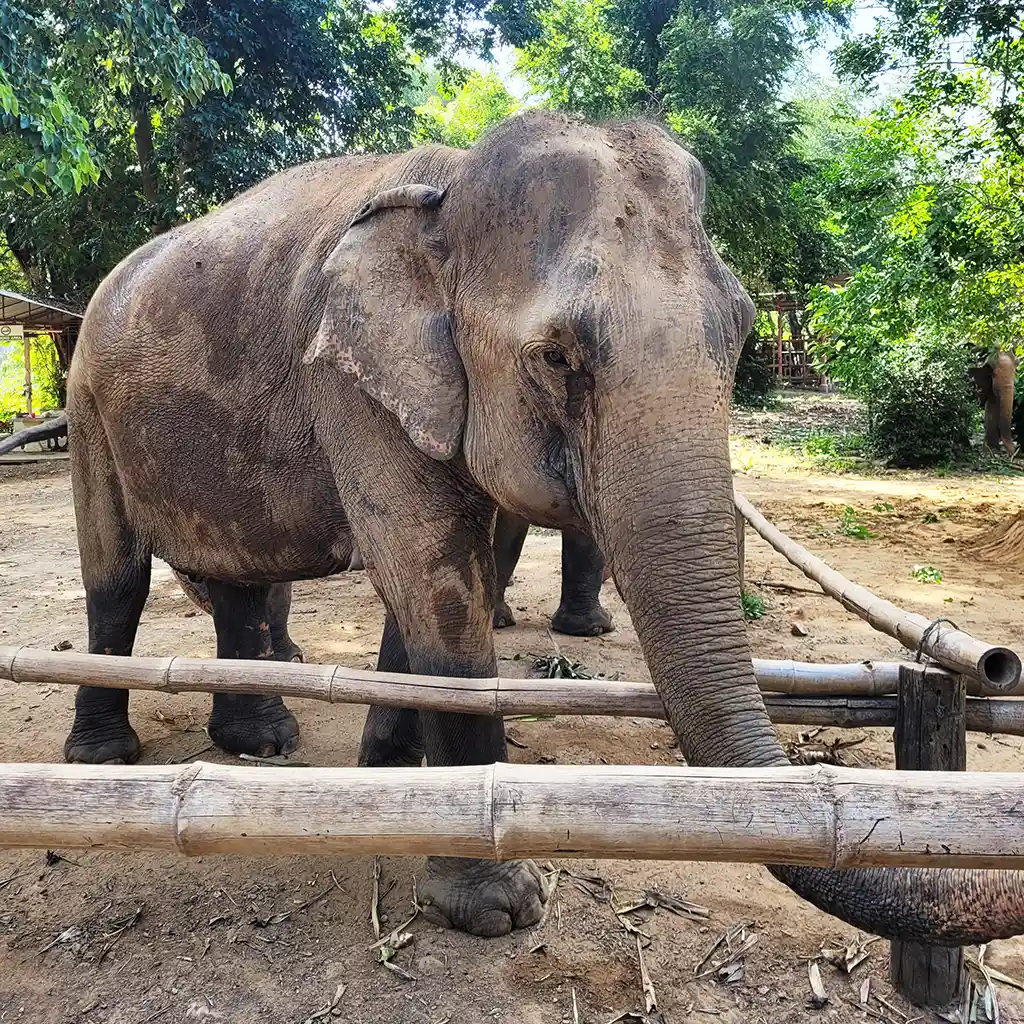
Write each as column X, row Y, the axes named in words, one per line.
column 930, row 736
column 819, row 815
column 802, row 693
column 997, row 668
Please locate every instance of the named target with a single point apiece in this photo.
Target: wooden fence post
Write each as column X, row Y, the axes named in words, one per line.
column 930, row 736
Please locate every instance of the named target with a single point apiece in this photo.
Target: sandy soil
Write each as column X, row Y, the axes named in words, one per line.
column 90, row 937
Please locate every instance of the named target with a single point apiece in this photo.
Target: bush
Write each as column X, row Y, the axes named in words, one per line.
column 754, row 385
column 921, row 405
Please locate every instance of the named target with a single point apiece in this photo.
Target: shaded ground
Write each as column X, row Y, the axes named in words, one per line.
column 95, row 937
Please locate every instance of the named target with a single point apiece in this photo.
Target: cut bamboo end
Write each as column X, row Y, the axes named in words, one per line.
column 821, row 815
column 997, row 668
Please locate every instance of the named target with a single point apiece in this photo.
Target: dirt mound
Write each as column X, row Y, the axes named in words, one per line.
column 1004, row 543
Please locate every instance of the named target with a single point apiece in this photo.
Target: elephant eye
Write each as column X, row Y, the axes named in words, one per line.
column 556, row 357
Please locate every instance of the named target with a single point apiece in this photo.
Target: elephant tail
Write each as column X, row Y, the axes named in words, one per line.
column 56, row 427
column 195, row 590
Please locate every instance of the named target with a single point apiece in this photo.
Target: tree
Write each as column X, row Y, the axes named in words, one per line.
column 573, row 63
column 967, row 55
column 460, row 119
column 67, row 66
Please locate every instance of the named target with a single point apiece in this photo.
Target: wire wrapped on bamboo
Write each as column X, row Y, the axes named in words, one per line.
column 998, row 668
column 820, row 815
column 845, row 696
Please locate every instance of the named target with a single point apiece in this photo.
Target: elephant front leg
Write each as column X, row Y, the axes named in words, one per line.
column 392, row 737
column 441, row 595
column 476, row 896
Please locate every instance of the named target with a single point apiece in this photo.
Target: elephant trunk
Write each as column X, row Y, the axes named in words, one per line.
column 56, row 427
column 664, row 516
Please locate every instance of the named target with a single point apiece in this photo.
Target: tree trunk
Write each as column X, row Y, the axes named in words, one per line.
column 147, row 158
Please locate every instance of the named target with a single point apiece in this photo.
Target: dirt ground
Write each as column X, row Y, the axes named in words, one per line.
column 95, row 937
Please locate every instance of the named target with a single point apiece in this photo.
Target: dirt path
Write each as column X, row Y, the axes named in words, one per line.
column 133, row 939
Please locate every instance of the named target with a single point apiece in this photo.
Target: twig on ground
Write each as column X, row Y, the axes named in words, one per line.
column 393, row 937
column 154, row 1016
column 650, row 998
column 375, row 899
column 400, row 971
column 277, row 761
column 129, row 922
column 328, row 1008
column 575, row 1008
column 819, row 997
column 728, row 967
column 68, row 935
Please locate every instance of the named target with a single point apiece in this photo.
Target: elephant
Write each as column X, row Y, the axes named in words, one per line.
column 579, row 613
column 994, row 381
column 389, row 349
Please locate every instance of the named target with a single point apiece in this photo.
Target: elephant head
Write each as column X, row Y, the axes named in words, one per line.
column 548, row 308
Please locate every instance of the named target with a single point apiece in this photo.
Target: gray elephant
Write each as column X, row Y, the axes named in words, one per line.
column 387, row 349
column 994, row 380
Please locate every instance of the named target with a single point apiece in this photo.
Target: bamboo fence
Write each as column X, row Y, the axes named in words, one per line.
column 998, row 668
column 800, row 693
column 820, row 815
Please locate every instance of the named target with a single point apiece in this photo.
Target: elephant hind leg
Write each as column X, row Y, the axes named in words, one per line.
column 279, row 604
column 243, row 723
column 580, row 612
column 392, row 737
column 115, row 573
column 509, row 536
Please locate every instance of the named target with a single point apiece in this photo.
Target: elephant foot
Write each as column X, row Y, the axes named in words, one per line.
column 482, row 897
column 259, row 726
column 503, row 617
column 391, row 739
column 91, row 742
column 288, row 652
column 594, row 621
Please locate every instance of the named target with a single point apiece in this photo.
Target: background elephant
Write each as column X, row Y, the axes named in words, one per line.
column 388, row 349
column 994, row 381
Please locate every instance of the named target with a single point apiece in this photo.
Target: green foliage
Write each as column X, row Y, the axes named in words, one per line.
column 461, row 119
column 753, row 606
column 927, row 574
column 310, row 78
column 47, row 377
column 574, row 62
column 851, row 526
column 921, row 407
column 65, row 68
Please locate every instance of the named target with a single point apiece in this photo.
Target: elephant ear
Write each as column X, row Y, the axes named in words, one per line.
column 386, row 321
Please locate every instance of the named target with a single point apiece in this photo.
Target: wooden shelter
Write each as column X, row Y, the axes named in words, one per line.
column 23, row 317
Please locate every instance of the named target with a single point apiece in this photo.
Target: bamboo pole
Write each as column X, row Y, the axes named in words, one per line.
column 998, row 668
column 808, row 694
column 986, row 715
column 820, row 815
